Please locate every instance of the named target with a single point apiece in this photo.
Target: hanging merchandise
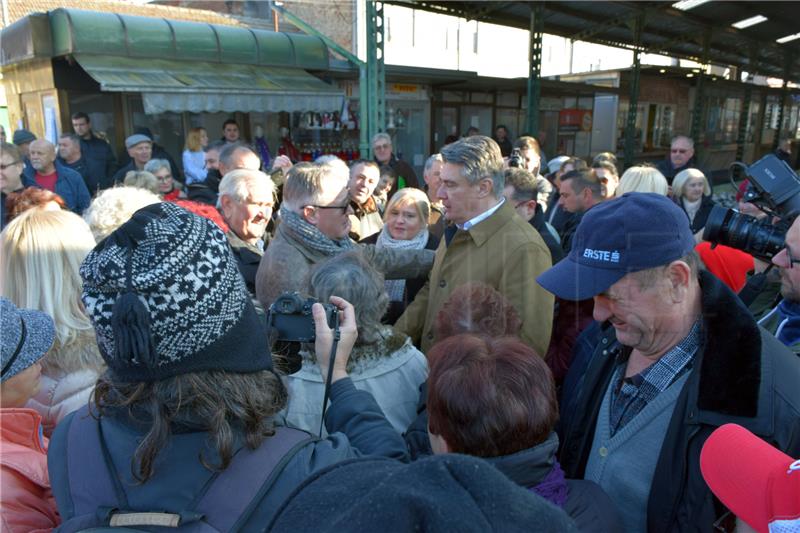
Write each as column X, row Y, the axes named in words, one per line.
column 261, row 147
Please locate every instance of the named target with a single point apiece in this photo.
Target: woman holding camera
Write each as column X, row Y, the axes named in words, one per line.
column 182, row 425
column 383, row 362
column 405, row 227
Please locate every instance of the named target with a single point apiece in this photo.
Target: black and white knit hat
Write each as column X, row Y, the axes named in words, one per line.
column 166, row 298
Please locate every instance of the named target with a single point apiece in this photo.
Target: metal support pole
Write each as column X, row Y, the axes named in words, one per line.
column 784, row 93
column 699, row 95
column 633, row 96
column 779, row 133
column 535, row 68
column 364, row 147
column 744, row 116
column 375, row 118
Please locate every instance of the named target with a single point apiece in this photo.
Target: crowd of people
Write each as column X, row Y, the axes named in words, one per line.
column 521, row 343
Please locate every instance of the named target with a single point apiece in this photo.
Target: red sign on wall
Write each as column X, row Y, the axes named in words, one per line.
column 573, row 120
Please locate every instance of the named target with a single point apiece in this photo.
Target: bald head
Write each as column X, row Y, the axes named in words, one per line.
column 237, row 156
column 42, row 154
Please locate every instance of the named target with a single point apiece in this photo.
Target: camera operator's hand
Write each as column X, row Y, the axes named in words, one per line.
column 347, row 337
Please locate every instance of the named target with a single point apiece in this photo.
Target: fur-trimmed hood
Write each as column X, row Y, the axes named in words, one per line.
column 730, row 372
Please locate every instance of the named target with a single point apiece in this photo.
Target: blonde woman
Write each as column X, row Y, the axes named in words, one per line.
column 643, row 179
column 691, row 191
column 42, row 252
column 405, row 226
column 194, row 167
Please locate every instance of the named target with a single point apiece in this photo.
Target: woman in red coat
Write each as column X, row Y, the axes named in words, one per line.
column 26, row 501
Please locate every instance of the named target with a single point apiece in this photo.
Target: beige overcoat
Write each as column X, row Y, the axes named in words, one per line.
column 502, row 251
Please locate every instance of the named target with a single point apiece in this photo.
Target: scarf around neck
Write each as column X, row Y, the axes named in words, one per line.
column 309, row 236
column 553, row 487
column 691, row 208
column 395, row 288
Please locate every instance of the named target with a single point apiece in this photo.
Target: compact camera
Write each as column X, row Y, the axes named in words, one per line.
column 290, row 316
column 290, row 323
column 515, row 160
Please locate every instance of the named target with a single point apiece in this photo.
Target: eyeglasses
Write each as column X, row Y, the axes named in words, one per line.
column 342, row 208
column 164, row 179
column 791, row 260
column 3, row 167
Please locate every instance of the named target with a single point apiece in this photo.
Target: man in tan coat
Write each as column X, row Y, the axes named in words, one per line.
column 487, row 242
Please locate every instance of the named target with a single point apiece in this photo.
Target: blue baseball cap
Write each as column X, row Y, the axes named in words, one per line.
column 634, row 232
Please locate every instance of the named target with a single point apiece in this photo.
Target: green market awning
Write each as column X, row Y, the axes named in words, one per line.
column 199, row 86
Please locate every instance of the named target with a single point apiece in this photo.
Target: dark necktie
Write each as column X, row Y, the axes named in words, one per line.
column 449, row 233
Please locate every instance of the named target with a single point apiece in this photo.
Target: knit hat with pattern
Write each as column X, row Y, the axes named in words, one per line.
column 166, row 298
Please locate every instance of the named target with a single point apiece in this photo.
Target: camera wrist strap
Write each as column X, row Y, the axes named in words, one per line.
column 331, row 362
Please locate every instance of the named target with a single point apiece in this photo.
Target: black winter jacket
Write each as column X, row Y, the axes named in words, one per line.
column 539, row 224
column 741, row 375
column 701, row 217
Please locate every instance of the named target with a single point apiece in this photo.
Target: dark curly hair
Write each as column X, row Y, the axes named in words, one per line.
column 224, row 404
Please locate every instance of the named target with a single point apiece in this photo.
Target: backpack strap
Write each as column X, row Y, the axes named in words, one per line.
column 237, row 490
column 91, row 485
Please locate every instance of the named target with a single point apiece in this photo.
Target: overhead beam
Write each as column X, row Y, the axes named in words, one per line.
column 772, row 65
column 487, row 8
column 616, row 22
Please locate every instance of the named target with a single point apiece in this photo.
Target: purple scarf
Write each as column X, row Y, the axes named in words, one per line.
column 553, row 487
